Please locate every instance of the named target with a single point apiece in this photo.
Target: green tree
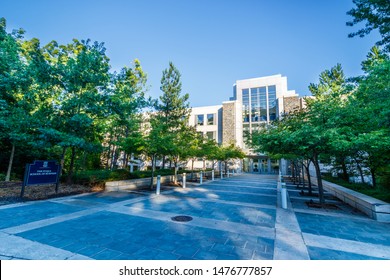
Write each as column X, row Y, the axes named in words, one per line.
column 372, row 105
column 126, row 101
column 228, row 153
column 172, row 111
column 375, row 14
column 16, row 102
column 83, row 74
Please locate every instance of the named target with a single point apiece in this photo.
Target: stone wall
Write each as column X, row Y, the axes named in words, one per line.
column 229, row 123
column 291, row 104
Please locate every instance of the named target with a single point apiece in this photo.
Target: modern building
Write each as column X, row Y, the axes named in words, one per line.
column 254, row 102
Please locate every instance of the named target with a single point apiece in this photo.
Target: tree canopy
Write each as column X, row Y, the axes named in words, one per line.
column 376, row 16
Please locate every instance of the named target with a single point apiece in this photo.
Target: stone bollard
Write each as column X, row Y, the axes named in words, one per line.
column 184, row 180
column 228, row 173
column 158, row 184
column 221, row 174
column 212, row 175
column 201, row 178
column 284, row 195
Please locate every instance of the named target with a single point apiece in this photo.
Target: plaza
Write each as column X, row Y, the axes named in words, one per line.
column 236, row 218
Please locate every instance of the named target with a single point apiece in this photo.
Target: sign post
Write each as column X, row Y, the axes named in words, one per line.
column 41, row 172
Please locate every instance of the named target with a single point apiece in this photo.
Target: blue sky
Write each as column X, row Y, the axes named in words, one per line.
column 213, row 43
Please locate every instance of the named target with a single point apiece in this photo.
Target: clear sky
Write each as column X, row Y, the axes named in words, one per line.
column 213, row 43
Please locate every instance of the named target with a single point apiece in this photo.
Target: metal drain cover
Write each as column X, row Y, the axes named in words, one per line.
column 183, row 219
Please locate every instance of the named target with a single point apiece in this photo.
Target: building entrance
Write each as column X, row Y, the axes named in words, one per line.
column 261, row 164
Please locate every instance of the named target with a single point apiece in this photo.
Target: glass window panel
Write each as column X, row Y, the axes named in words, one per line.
column 210, row 135
column 246, row 117
column 200, row 119
column 210, row 119
column 272, row 89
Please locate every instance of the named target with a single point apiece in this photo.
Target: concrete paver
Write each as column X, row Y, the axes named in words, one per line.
column 234, row 218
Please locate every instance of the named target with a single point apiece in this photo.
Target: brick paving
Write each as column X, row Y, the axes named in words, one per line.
column 237, row 218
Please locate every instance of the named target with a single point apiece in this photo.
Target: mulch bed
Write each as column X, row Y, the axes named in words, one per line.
column 10, row 191
column 329, row 206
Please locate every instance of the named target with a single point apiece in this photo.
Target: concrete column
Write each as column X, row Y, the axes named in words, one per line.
column 131, row 163
column 158, row 184
column 284, row 196
column 269, row 166
column 184, row 180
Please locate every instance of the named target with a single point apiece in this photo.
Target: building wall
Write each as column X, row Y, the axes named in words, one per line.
column 231, row 122
column 205, row 128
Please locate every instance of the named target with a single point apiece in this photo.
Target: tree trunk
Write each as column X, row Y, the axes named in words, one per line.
column 115, row 158
column 293, row 171
column 163, row 162
column 108, row 164
column 373, row 176
column 63, row 159
column 309, row 178
column 319, row 180
column 303, row 175
column 84, row 161
column 71, row 166
column 176, row 169
column 360, row 169
column 192, row 170
column 345, row 172
column 11, row 159
column 153, row 168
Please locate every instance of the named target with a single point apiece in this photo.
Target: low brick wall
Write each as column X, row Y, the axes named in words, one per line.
column 141, row 183
column 374, row 208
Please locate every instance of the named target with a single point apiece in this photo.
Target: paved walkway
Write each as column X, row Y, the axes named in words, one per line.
column 234, row 218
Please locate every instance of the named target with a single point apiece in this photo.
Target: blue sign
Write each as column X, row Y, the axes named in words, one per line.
column 41, row 172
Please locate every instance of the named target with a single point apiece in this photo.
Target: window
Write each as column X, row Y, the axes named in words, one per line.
column 272, row 102
column 200, row 119
column 210, row 135
column 210, row 119
column 245, row 104
column 255, row 105
column 263, row 103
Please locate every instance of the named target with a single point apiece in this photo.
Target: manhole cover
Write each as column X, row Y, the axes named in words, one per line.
column 181, row 219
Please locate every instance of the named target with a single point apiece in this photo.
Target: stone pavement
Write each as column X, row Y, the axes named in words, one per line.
column 237, row 218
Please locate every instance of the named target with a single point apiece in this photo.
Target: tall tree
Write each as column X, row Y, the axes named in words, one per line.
column 14, row 98
column 83, row 72
column 371, row 101
column 172, row 111
column 375, row 14
column 125, row 104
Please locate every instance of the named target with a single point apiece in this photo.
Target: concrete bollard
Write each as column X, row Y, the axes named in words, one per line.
column 184, row 180
column 158, row 184
column 221, row 174
column 212, row 175
column 284, row 195
column 201, row 178
column 228, row 173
